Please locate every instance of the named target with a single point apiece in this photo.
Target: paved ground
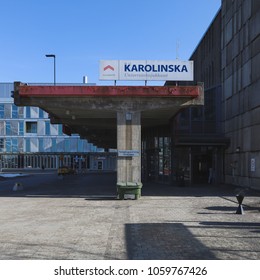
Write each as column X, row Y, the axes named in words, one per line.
column 79, row 218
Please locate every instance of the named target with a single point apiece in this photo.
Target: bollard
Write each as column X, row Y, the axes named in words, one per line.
column 240, row 209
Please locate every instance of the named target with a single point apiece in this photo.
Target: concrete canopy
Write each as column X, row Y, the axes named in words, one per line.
column 91, row 111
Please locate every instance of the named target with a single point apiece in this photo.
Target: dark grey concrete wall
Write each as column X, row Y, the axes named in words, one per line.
column 241, row 90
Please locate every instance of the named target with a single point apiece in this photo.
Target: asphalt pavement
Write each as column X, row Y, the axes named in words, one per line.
column 79, row 217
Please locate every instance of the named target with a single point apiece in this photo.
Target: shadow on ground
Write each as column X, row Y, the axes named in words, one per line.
column 164, row 241
column 51, row 185
column 102, row 186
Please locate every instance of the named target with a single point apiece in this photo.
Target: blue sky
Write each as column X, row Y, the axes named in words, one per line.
column 82, row 32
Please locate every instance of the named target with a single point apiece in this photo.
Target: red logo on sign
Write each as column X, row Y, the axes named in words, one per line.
column 109, row 67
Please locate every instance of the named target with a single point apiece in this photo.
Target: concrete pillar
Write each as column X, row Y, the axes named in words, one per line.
column 129, row 138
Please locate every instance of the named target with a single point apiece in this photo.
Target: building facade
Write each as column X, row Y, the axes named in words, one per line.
column 28, row 139
column 241, row 90
column 220, row 141
column 191, row 148
column 198, row 131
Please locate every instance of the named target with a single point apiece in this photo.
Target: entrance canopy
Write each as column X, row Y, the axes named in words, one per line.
column 91, row 111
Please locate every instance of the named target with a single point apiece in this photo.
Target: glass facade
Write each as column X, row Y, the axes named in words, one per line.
column 27, row 138
column 156, row 155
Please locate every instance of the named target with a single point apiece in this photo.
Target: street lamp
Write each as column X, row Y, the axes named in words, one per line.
column 54, row 60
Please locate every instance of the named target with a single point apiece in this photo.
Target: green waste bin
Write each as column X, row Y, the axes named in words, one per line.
column 129, row 190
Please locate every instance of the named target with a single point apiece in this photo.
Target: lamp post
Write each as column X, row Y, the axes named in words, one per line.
column 54, row 60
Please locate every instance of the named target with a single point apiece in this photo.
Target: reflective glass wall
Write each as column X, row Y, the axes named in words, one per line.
column 28, row 131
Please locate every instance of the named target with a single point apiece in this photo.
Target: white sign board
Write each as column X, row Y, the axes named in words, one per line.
column 128, row 153
column 146, row 70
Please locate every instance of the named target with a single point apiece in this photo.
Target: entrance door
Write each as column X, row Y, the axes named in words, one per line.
column 201, row 166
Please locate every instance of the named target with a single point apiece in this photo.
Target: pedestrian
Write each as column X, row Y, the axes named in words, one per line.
column 211, row 175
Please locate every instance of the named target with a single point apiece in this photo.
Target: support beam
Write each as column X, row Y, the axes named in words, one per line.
column 129, row 168
column 129, row 138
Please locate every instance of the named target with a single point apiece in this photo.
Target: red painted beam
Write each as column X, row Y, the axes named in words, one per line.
column 109, row 91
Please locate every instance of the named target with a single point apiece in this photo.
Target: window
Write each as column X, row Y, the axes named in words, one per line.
column 21, row 128
column 20, row 112
column 60, row 133
column 8, row 145
column 2, row 127
column 2, row 144
column 31, row 145
column 41, row 127
column 80, row 145
column 73, row 145
column 60, row 145
column 54, row 129
column 21, row 144
column 14, row 112
column 42, row 114
column 41, row 147
column 34, row 112
column 28, row 112
column 67, row 145
column 27, row 145
column 53, row 144
column 14, row 127
column 31, row 127
column 8, row 109
column 34, row 145
column 14, row 144
column 7, row 128
column 2, row 111
column 47, row 144
column 47, row 128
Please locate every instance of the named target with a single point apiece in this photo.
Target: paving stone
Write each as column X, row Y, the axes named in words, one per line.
column 46, row 221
